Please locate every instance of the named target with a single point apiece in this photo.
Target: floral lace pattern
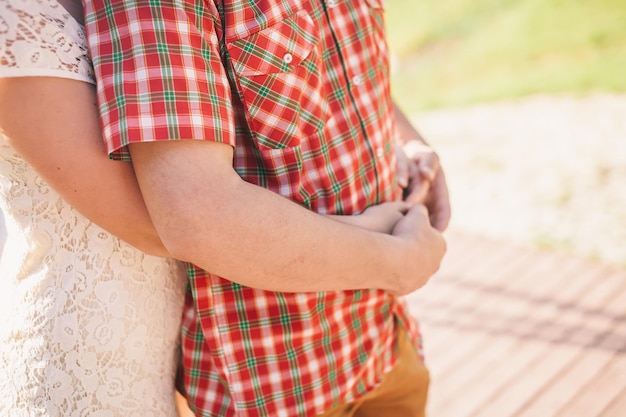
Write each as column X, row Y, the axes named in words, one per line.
column 89, row 326
column 39, row 38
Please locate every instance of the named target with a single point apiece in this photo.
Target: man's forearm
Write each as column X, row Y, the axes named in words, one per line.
column 207, row 215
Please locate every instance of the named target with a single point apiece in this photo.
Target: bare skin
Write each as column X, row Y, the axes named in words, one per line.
column 278, row 245
column 61, row 139
column 380, row 218
column 420, row 172
column 53, row 124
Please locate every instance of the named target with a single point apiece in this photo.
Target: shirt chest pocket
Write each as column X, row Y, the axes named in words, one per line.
column 278, row 71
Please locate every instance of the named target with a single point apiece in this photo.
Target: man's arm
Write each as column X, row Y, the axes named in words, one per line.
column 421, row 176
column 206, row 214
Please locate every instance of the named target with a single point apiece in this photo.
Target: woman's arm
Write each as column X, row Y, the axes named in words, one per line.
column 53, row 124
column 381, row 218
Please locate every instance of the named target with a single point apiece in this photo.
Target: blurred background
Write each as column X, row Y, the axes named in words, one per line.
column 525, row 102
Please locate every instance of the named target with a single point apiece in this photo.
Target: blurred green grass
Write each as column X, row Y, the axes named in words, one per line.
column 452, row 53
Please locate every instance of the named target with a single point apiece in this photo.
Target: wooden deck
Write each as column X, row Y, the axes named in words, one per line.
column 516, row 332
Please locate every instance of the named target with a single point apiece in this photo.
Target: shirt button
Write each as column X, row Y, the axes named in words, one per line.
column 332, row 3
column 358, row 80
column 288, row 58
column 380, row 152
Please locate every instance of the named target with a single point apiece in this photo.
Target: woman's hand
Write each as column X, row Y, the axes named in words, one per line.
column 423, row 181
column 420, row 173
column 380, row 218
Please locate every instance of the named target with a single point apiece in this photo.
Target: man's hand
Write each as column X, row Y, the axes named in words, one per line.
column 420, row 173
column 259, row 239
column 423, row 246
column 423, row 180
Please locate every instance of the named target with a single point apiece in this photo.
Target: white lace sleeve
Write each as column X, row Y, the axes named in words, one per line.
column 40, row 38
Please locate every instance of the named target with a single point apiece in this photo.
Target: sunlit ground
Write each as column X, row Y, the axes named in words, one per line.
column 546, row 171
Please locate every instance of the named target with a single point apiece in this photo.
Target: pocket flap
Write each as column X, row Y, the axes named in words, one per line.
column 275, row 49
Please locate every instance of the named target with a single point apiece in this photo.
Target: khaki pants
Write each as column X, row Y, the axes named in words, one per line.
column 402, row 393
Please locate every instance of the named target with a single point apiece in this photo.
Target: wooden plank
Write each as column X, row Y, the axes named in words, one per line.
column 600, row 393
column 499, row 391
column 617, row 408
column 443, row 290
column 449, row 359
column 462, row 389
column 567, row 364
column 594, row 353
column 564, row 386
column 453, row 306
column 439, row 312
column 462, row 349
column 442, row 390
column 508, row 329
column 462, row 252
column 563, row 317
column 601, row 396
column 496, row 317
column 511, row 310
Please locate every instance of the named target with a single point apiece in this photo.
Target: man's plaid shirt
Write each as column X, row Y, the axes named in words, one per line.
column 300, row 88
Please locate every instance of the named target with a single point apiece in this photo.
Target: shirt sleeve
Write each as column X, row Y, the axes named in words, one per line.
column 158, row 72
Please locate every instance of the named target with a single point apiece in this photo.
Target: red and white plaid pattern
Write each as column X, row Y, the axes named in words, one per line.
column 301, row 89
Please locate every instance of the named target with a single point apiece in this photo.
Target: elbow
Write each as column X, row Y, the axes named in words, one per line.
column 147, row 241
column 153, row 246
column 180, row 252
column 180, row 243
column 177, row 247
column 199, row 246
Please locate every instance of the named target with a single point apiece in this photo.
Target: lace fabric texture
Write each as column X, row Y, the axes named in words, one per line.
column 89, row 326
column 40, row 38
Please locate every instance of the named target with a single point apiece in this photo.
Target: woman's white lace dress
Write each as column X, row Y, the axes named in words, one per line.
column 89, row 325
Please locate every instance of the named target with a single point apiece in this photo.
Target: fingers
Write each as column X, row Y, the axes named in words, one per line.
column 415, row 149
column 439, row 204
column 401, row 206
column 440, row 216
column 414, row 171
column 423, row 166
column 428, row 165
column 426, row 182
column 417, row 213
column 404, row 166
column 413, row 224
column 417, row 191
column 434, row 195
column 419, row 210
